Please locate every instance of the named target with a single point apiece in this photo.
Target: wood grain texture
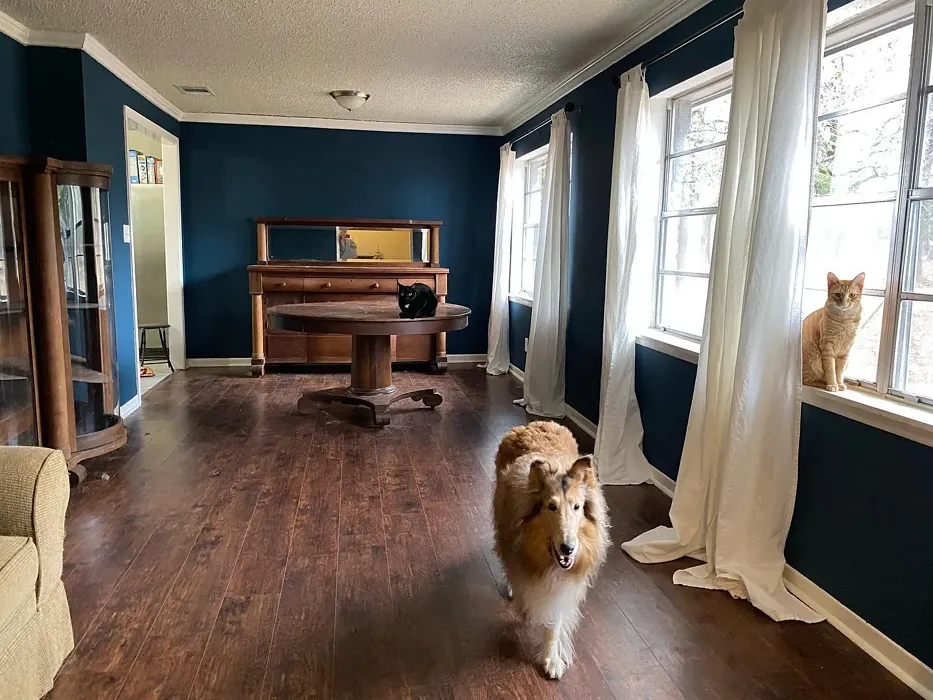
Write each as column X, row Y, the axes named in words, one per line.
column 239, row 550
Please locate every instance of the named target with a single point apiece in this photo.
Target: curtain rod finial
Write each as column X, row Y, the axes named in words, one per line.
column 617, row 81
column 569, row 107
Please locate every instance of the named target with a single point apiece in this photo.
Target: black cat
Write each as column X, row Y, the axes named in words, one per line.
column 416, row 301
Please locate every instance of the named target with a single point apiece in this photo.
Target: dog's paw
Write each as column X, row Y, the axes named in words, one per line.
column 552, row 665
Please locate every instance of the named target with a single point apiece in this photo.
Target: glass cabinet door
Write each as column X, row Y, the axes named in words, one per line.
column 17, row 397
column 85, row 233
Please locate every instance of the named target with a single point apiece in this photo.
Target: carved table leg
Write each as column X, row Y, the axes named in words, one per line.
column 370, row 382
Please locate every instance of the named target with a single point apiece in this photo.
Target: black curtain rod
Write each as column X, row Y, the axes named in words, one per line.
column 617, row 80
column 569, row 107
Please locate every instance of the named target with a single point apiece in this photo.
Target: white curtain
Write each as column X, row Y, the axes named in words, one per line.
column 633, row 207
column 738, row 474
column 497, row 338
column 544, row 364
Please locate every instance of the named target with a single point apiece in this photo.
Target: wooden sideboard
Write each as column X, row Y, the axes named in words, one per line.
column 274, row 282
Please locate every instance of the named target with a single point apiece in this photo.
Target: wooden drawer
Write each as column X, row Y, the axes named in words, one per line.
column 329, row 349
column 408, row 281
column 351, row 285
column 282, row 284
column 286, row 348
column 414, row 348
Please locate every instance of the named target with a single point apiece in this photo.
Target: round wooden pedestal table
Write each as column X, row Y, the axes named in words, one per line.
column 372, row 325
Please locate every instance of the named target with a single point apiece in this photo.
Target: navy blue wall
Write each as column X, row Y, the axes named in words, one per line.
column 231, row 174
column 56, row 103
column 843, row 514
column 862, row 524
column 14, row 113
column 593, row 126
column 519, row 329
column 104, row 96
column 61, row 103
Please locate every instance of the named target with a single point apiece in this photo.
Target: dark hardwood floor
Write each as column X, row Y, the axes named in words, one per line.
column 241, row 550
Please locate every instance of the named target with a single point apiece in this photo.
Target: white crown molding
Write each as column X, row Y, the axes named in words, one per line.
column 13, row 29
column 93, row 48
column 656, row 25
column 351, row 124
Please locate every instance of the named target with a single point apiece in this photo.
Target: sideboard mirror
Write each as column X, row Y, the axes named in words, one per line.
column 354, row 241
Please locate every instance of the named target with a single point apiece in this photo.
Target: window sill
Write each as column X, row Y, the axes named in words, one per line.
column 885, row 414
column 521, row 299
column 892, row 416
column 673, row 345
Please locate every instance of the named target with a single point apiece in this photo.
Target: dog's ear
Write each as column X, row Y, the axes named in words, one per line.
column 583, row 470
column 538, row 474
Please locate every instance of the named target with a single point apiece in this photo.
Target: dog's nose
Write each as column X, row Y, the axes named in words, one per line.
column 566, row 549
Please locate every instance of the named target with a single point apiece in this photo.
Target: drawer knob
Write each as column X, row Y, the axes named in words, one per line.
column 327, row 285
column 375, row 285
column 283, row 284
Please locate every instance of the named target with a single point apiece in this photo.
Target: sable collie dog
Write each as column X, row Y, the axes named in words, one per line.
column 551, row 531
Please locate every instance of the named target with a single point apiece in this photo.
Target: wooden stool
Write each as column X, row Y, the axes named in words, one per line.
column 154, row 355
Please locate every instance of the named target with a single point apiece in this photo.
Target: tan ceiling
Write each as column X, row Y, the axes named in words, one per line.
column 466, row 62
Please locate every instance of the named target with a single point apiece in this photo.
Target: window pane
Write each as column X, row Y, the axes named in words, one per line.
column 533, row 208
column 926, row 150
column 695, row 180
column 700, row 122
column 918, row 267
column 688, row 243
column 863, row 358
column 860, row 153
column 683, row 303
column 913, row 372
column 528, row 275
column 867, row 72
column 847, row 240
column 534, row 174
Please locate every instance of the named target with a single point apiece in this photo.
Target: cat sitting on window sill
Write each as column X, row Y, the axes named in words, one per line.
column 829, row 333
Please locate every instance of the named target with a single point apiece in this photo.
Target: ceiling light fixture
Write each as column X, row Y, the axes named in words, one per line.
column 350, row 99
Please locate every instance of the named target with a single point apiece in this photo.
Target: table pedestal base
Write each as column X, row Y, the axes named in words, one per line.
column 370, row 382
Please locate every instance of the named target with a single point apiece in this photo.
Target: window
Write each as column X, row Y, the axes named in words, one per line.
column 696, row 136
column 872, row 206
column 872, row 198
column 527, row 218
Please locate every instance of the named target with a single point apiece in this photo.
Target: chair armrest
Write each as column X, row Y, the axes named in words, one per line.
column 34, row 491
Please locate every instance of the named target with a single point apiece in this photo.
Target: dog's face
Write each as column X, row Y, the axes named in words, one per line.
column 563, row 504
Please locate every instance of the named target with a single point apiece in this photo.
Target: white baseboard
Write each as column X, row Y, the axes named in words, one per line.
column 219, row 361
column 465, row 359
column 582, row 422
column 907, row 667
column 131, row 406
column 663, row 482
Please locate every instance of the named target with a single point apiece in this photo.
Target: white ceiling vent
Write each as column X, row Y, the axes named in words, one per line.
column 197, row 90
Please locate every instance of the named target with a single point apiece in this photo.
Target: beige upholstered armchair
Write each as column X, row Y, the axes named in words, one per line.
column 35, row 623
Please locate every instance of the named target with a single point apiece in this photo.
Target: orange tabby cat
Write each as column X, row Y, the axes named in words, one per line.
column 828, row 333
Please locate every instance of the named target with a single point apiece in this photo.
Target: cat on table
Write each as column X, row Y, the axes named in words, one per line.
column 829, row 333
column 416, row 301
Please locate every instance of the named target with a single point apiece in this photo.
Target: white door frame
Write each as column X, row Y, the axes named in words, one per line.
column 174, row 265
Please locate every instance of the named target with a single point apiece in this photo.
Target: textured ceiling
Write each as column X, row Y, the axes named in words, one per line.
column 469, row 62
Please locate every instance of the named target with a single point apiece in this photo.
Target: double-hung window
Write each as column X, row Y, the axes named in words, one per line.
column 698, row 123
column 526, row 221
column 872, row 200
column 873, row 194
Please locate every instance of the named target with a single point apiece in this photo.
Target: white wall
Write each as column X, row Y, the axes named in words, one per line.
column 148, row 223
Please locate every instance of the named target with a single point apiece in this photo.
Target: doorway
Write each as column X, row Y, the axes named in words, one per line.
column 154, row 203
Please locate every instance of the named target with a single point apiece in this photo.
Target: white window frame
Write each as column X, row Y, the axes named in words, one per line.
column 877, row 403
column 704, row 92
column 518, row 254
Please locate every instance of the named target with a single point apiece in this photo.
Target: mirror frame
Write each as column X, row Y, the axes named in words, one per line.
column 262, row 237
